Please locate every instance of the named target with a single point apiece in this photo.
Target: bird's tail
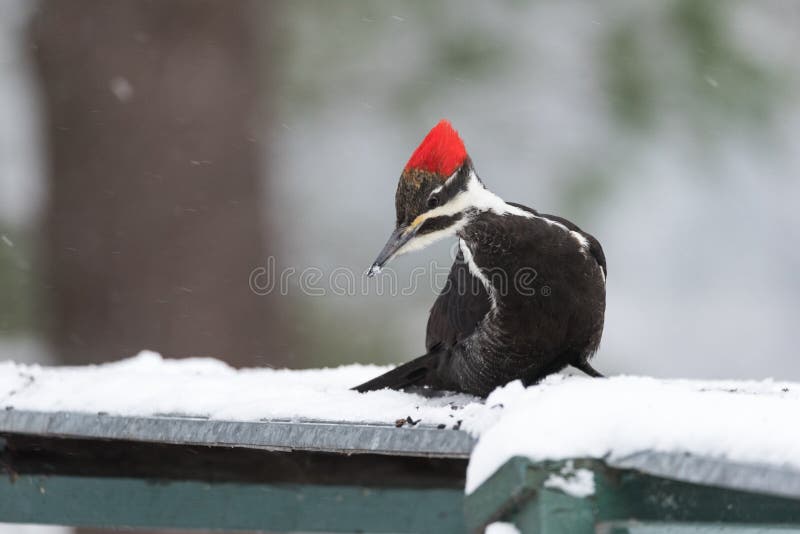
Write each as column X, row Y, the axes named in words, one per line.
column 417, row 372
column 588, row 369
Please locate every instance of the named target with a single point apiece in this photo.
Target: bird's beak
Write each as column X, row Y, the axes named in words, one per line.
column 399, row 237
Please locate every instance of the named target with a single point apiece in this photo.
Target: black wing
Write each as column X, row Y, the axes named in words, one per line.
column 464, row 301
column 454, row 316
column 595, row 249
column 458, row 309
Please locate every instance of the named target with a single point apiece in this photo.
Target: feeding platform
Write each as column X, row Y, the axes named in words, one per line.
column 194, row 444
column 101, row 470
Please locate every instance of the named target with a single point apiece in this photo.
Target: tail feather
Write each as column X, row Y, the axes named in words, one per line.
column 414, row 373
column 588, row 369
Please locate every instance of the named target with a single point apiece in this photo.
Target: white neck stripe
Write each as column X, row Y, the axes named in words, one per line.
column 475, row 197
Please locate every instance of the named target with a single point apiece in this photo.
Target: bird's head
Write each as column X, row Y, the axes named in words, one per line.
column 432, row 198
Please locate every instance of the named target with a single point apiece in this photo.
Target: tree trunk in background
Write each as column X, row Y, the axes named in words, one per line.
column 154, row 223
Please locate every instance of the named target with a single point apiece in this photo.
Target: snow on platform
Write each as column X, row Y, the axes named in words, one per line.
column 148, row 385
column 614, row 419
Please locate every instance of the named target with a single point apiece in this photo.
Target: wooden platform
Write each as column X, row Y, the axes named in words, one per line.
column 171, row 471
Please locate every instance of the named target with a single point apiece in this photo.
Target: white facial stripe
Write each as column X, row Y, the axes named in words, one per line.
column 476, row 196
column 422, row 241
column 438, row 189
column 479, row 198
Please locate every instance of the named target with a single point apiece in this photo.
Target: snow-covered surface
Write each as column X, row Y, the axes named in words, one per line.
column 33, row 529
column 147, row 384
column 576, row 482
column 561, row 418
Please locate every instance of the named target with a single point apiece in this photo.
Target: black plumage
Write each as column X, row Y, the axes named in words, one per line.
column 464, row 301
column 525, row 296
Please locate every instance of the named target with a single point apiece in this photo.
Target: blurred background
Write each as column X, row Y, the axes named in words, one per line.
column 153, row 154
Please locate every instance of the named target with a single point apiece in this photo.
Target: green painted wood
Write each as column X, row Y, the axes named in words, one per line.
column 113, row 502
column 553, row 512
column 503, row 494
column 663, row 527
column 516, row 493
column 623, row 494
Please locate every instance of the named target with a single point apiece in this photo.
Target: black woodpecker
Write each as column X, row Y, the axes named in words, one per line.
column 525, row 297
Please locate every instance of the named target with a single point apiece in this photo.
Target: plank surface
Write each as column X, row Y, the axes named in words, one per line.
column 112, row 502
column 322, row 436
column 519, row 492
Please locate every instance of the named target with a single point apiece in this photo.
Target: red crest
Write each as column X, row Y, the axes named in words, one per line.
column 441, row 152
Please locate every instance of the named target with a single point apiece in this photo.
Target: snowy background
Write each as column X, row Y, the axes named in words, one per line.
column 668, row 130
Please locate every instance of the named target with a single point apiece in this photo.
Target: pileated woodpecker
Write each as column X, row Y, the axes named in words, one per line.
column 525, row 296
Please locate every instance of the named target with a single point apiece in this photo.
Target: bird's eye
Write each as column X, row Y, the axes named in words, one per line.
column 433, row 202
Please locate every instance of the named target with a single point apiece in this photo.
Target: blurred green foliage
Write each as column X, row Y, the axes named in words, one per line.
column 630, row 91
column 322, row 341
column 683, row 58
column 18, row 284
column 324, row 42
column 725, row 79
column 680, row 53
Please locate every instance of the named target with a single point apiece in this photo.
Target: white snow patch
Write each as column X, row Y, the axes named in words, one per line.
column 575, row 482
column 33, row 529
column 499, row 527
column 576, row 417
column 148, row 384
